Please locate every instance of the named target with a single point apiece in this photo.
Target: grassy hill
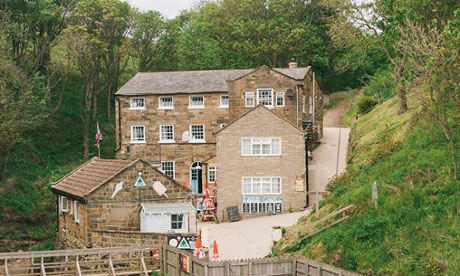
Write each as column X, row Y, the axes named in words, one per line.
column 415, row 230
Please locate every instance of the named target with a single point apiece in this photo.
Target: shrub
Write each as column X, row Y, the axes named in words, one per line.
column 365, row 104
column 381, row 86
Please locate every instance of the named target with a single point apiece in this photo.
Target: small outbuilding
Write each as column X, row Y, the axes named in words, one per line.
column 166, row 217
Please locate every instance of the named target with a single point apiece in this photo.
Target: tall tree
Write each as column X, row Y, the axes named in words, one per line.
column 147, row 28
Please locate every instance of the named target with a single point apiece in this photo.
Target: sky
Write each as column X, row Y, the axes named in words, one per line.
column 168, row 8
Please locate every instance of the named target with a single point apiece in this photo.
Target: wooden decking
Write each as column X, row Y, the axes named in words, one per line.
column 88, row 262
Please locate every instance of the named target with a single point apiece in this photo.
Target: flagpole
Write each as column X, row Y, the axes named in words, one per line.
column 99, row 150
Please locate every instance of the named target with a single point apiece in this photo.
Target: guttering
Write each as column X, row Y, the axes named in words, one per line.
column 313, row 98
column 119, row 123
column 297, row 104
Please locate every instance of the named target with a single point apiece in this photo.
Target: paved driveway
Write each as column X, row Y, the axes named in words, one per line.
column 248, row 238
column 252, row 237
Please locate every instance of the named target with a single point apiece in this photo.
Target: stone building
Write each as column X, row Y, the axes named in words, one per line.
column 261, row 161
column 101, row 203
column 170, row 119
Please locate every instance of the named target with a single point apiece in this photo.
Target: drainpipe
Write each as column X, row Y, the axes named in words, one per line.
column 57, row 212
column 313, row 98
column 119, row 122
column 307, row 184
column 297, row 104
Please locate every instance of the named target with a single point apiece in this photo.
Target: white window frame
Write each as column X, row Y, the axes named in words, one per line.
column 197, row 140
column 132, row 136
column 271, row 93
column 223, row 125
column 77, row 211
column 279, row 95
column 247, row 96
column 310, row 107
column 253, row 142
column 166, row 107
column 173, row 168
column 66, row 209
column 131, row 101
column 168, row 141
column 261, row 185
column 303, row 105
column 221, row 105
column 190, row 106
column 212, row 169
column 184, row 222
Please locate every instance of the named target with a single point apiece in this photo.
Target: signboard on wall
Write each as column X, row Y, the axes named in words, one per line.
column 262, row 204
column 299, row 184
column 185, row 263
column 182, row 242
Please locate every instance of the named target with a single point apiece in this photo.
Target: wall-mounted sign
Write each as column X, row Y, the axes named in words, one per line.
column 139, row 182
column 262, row 204
column 180, row 242
column 185, row 263
column 299, row 184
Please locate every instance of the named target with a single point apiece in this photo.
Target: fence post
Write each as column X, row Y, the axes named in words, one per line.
column 42, row 268
column 250, row 268
column 6, row 268
column 294, row 267
column 77, row 264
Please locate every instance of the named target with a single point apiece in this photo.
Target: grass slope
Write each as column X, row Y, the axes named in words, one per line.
column 416, row 228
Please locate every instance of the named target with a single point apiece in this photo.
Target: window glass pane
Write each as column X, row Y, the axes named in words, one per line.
column 177, row 222
column 256, row 149
column 166, row 102
column 256, row 186
column 280, row 99
column 246, row 185
column 246, row 146
column 167, row 133
column 223, row 100
column 276, row 146
column 249, row 99
column 137, row 103
column 266, row 185
column 276, row 185
column 265, row 97
column 168, row 168
column 197, row 132
column 212, row 174
column 137, row 133
column 197, row 101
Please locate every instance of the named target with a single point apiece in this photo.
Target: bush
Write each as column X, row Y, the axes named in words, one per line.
column 381, row 86
column 365, row 104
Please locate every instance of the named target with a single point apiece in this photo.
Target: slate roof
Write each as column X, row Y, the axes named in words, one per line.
column 83, row 180
column 193, row 81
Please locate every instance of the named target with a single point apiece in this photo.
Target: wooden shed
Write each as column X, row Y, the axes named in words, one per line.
column 172, row 217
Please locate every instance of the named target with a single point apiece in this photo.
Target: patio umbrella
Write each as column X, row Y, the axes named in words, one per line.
column 214, row 186
column 198, row 251
column 215, row 254
column 206, row 185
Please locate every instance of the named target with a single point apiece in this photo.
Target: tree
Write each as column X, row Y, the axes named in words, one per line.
column 24, row 105
column 146, row 31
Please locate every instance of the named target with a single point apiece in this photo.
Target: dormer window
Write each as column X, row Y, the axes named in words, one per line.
column 196, row 102
column 265, row 97
column 137, row 104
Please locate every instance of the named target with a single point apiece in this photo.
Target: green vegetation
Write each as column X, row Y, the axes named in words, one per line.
column 415, row 228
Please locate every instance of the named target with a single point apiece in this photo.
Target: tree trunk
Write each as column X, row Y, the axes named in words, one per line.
column 86, row 124
column 402, row 100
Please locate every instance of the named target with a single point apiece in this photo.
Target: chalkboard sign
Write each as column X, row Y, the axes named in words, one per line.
column 233, row 213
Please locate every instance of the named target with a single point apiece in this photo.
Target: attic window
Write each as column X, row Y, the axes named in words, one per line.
column 223, row 102
column 137, row 104
column 165, row 103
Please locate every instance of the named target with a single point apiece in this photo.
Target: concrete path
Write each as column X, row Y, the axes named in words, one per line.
column 248, row 238
column 329, row 158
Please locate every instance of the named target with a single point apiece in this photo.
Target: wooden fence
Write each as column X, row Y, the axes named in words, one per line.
column 108, row 261
column 175, row 262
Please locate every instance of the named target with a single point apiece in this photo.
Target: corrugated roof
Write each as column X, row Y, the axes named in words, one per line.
column 175, row 207
column 83, row 180
column 193, row 81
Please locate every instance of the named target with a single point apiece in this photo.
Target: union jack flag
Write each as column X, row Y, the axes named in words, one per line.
column 98, row 136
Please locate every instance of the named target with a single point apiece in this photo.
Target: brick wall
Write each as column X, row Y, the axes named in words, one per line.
column 290, row 166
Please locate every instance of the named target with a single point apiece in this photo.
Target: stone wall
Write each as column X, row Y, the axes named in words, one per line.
column 290, row 165
column 72, row 234
column 130, row 238
column 212, row 116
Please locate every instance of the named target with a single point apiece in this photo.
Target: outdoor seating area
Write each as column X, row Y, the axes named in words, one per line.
column 206, row 206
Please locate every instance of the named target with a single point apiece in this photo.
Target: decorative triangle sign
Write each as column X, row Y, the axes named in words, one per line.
column 184, row 244
column 139, row 182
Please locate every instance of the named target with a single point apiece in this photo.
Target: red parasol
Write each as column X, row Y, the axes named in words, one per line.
column 215, row 255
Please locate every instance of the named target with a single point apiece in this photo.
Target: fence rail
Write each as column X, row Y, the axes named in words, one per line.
column 100, row 262
column 175, row 262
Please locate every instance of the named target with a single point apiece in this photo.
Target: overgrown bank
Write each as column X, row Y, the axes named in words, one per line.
column 415, row 228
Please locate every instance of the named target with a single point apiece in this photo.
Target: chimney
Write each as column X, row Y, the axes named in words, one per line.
column 292, row 64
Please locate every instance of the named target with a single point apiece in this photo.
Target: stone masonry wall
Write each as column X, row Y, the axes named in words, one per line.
column 212, row 116
column 72, row 234
column 127, row 238
column 290, row 166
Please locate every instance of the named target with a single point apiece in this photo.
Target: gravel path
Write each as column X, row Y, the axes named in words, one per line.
column 334, row 117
